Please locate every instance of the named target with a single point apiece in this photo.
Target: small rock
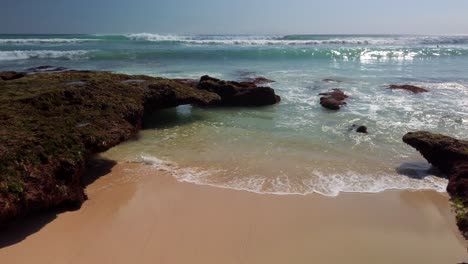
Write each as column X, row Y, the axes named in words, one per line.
column 362, row 129
column 331, row 80
column 333, row 100
column 46, row 68
column 411, row 88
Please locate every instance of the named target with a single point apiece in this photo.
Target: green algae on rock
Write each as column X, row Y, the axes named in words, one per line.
column 50, row 123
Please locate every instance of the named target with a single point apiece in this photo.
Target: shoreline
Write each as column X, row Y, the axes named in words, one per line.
column 42, row 164
column 138, row 214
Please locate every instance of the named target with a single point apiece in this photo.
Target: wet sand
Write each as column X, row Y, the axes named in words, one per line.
column 137, row 215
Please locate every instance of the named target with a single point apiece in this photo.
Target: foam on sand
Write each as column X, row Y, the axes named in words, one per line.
column 328, row 184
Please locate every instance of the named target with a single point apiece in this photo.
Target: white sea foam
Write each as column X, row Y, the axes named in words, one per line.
column 350, row 182
column 156, row 37
column 300, row 40
column 372, row 55
column 44, row 40
column 41, row 54
column 318, row 182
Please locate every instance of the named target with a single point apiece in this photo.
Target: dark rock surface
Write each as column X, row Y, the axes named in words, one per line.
column 411, row 88
column 11, row 75
column 450, row 155
column 239, row 94
column 333, row 100
column 362, row 129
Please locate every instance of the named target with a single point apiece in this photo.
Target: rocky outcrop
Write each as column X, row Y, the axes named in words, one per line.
column 53, row 119
column 411, row 88
column 11, row 75
column 333, row 100
column 451, row 157
column 239, row 94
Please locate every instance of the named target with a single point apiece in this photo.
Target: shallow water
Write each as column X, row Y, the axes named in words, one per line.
column 296, row 146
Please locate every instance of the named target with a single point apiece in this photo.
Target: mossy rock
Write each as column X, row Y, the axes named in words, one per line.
column 51, row 122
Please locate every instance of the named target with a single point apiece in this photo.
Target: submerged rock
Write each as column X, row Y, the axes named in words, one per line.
column 450, row 155
column 331, row 80
column 11, row 75
column 239, row 94
column 411, row 88
column 333, row 100
column 362, row 129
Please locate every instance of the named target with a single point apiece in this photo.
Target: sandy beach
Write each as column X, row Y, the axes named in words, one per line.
column 138, row 215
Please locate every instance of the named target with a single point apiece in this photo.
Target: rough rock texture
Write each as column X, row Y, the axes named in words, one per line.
column 11, row 75
column 451, row 157
column 50, row 123
column 239, row 94
column 410, row 88
column 333, row 100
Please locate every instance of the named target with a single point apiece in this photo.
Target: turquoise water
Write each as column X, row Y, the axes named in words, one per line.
column 297, row 146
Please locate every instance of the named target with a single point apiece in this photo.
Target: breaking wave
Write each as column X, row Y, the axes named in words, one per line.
column 318, row 182
column 291, row 40
column 346, row 54
column 41, row 54
column 43, row 40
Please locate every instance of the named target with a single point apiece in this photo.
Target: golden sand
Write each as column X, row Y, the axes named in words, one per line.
column 137, row 215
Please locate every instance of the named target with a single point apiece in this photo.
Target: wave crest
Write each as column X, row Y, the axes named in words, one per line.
column 300, row 40
column 44, row 40
column 42, row 54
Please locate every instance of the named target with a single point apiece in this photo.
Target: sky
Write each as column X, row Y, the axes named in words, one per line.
column 235, row 16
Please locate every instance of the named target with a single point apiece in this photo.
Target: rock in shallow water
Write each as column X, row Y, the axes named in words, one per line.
column 329, row 80
column 333, row 100
column 362, row 129
column 411, row 88
column 450, row 155
column 239, row 94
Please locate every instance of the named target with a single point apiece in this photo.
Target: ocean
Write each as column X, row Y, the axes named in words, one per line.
column 295, row 147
